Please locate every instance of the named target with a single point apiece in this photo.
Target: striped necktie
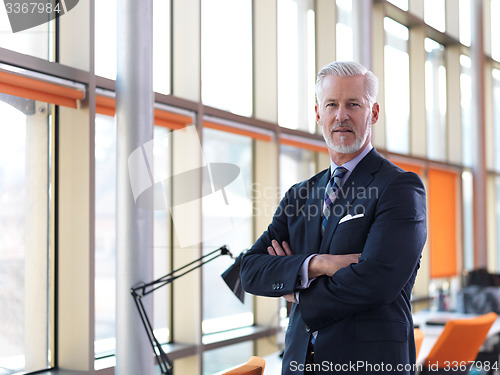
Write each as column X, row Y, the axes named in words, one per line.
column 331, row 193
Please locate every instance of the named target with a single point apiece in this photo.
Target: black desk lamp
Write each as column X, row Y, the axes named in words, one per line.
column 231, row 277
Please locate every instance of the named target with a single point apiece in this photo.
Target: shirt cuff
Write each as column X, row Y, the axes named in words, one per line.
column 303, row 280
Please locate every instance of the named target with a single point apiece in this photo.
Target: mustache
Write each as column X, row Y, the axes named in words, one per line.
column 343, row 125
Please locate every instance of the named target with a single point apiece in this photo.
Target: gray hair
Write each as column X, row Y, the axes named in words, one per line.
column 350, row 69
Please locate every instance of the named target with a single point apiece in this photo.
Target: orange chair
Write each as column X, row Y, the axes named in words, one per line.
column 419, row 338
column 458, row 344
column 254, row 366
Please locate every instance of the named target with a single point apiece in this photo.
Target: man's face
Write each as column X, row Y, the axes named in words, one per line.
column 344, row 114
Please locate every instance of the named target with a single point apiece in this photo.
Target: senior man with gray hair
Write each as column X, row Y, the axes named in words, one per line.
column 344, row 246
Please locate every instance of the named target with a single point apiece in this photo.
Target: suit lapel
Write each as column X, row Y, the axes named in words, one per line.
column 356, row 184
column 314, row 205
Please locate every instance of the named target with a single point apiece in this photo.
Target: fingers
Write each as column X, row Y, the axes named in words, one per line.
column 354, row 258
column 346, row 259
column 277, row 249
column 287, row 249
column 290, row 298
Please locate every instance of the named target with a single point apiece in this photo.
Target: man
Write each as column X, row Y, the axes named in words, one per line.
column 345, row 249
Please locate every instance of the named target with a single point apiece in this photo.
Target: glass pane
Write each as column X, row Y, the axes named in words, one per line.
column 34, row 41
column 397, row 87
column 496, row 117
column 464, row 21
column 296, row 65
column 344, row 29
column 105, row 42
column 403, row 4
column 219, row 360
column 434, row 14
column 495, row 29
column 26, row 214
column 105, row 239
column 497, row 218
column 468, row 141
column 105, row 234
column 161, row 46
column 161, row 236
column 105, row 38
column 295, row 165
column 226, row 55
column 222, row 147
column 468, row 215
column 435, row 100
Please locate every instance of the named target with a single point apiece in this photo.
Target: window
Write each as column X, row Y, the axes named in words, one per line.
column 496, row 118
column 226, row 55
column 26, row 214
column 403, row 4
column 495, row 29
column 295, row 165
column 105, row 239
column 161, row 46
column 468, row 220
column 105, row 234
column 434, row 14
column 33, row 41
column 397, row 87
column 345, row 37
column 497, row 220
column 464, row 21
column 106, row 42
column 496, row 132
column 435, row 100
column 468, row 141
column 296, row 65
column 224, row 147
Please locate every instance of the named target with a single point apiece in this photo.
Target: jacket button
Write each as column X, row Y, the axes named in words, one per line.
column 274, row 286
column 308, row 329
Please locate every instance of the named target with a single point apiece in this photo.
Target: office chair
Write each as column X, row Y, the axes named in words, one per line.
column 254, row 366
column 419, row 338
column 457, row 345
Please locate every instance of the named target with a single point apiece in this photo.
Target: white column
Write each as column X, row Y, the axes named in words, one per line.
column 134, row 229
column 362, row 32
column 36, row 281
column 478, row 119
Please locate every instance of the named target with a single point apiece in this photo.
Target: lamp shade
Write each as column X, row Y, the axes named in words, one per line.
column 232, row 278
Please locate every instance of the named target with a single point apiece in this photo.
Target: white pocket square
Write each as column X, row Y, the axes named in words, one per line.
column 350, row 217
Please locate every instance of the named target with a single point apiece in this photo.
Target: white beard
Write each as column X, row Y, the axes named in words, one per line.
column 343, row 148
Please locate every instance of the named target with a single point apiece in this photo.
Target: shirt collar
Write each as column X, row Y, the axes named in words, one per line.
column 351, row 164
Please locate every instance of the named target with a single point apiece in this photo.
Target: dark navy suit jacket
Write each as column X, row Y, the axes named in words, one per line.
column 362, row 313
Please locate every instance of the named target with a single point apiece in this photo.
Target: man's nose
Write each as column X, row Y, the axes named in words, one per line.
column 342, row 114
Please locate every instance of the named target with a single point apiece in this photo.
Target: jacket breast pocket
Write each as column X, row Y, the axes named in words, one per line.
column 355, row 222
column 350, row 236
column 380, row 330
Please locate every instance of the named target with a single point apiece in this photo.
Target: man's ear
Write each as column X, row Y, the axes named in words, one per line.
column 375, row 113
column 316, row 109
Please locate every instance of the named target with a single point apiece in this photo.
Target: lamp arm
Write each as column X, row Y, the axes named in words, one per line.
column 147, row 288
column 143, row 289
column 164, row 362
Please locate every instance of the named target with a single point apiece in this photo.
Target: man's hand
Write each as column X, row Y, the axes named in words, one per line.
column 279, row 250
column 328, row 264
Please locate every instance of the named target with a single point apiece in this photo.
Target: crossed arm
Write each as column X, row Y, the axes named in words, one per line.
column 319, row 265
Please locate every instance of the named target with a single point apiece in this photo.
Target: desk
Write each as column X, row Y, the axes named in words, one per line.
column 432, row 332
